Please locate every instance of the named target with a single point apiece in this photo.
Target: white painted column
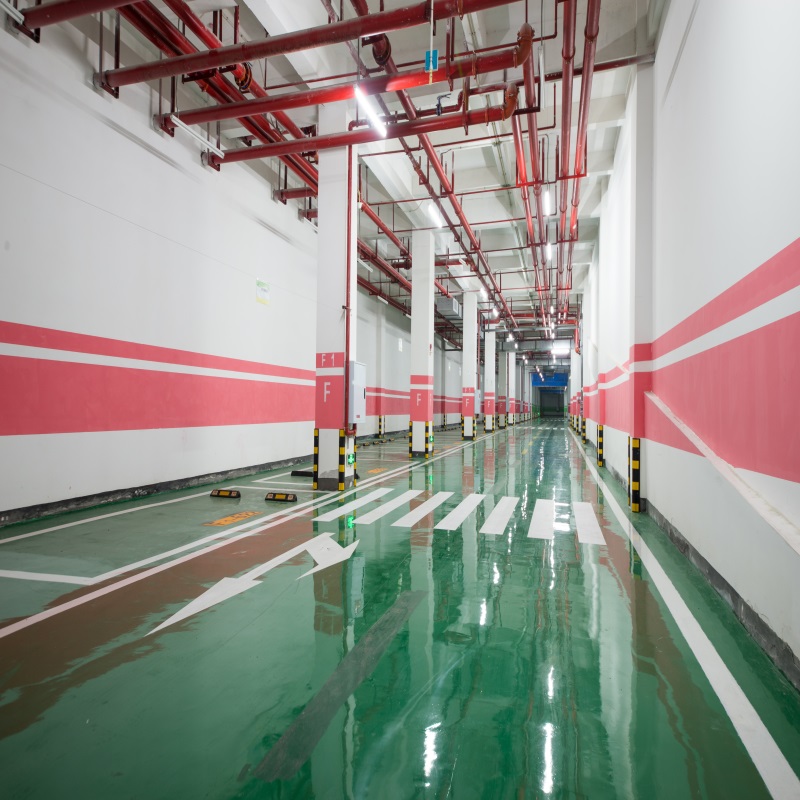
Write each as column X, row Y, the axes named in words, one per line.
column 422, row 304
column 489, row 366
column 336, row 298
column 469, row 358
column 512, row 386
column 502, row 389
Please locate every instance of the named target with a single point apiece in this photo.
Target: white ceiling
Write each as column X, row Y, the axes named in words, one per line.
column 484, row 158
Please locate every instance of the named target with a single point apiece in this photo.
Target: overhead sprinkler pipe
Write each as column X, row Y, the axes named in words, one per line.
column 63, row 10
column 470, row 66
column 307, row 39
column 568, row 58
column 589, row 52
column 486, row 277
column 536, row 175
column 416, row 127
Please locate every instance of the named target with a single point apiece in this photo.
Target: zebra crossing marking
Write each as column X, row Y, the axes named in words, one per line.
column 421, row 511
column 586, row 522
column 386, row 508
column 541, row 526
column 500, row 516
column 454, row 519
column 348, row 507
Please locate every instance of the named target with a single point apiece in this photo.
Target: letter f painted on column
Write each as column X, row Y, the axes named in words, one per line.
column 325, row 391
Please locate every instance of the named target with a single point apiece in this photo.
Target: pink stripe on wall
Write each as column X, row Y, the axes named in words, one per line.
column 740, row 398
column 32, row 336
column 43, row 397
column 774, row 277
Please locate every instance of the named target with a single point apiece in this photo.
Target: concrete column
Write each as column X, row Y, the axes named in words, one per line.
column 502, row 389
column 469, row 358
column 336, row 301
column 489, row 344
column 641, row 283
column 511, row 372
column 422, row 303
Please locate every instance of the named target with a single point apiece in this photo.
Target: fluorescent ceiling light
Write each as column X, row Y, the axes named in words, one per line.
column 549, row 251
column 547, row 207
column 382, row 299
column 552, row 310
column 495, row 312
column 376, row 121
column 433, row 213
column 195, row 135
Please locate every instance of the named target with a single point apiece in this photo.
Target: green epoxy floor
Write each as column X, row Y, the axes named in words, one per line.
column 431, row 663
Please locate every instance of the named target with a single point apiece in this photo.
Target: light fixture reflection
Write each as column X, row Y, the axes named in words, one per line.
column 547, row 778
column 430, row 749
column 376, row 121
column 433, row 213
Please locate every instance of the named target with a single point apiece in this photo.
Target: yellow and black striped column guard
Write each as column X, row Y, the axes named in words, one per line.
column 600, row 460
column 342, row 457
column 635, row 474
column 410, row 435
column 316, row 458
column 628, row 476
column 583, row 429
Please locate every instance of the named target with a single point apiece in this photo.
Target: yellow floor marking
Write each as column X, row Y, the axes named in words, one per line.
column 375, row 471
column 220, row 523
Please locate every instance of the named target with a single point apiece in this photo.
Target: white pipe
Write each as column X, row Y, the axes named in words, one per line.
column 193, row 133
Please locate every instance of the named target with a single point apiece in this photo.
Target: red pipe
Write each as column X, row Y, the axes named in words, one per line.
column 393, row 131
column 536, row 176
column 347, row 307
column 471, row 65
column 333, row 33
column 385, row 59
column 63, row 10
column 568, row 57
column 589, row 51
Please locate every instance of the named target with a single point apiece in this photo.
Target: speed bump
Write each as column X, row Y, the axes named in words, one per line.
column 226, row 493
column 281, row 497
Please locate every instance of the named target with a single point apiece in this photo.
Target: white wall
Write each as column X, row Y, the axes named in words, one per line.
column 719, row 292
column 110, row 229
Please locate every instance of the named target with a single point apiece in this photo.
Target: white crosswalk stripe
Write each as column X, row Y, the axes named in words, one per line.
column 586, row 522
column 348, row 507
column 454, row 519
column 416, row 514
column 541, row 526
column 501, row 514
column 386, row 508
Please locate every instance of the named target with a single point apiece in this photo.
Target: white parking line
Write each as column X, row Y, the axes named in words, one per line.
column 44, row 576
column 102, row 516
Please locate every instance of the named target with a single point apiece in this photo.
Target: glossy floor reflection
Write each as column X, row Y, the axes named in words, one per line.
column 488, row 637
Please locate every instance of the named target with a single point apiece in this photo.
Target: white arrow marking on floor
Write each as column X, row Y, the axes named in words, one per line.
column 416, row 514
column 348, row 507
column 322, row 549
column 454, row 519
column 586, row 522
column 500, row 516
column 386, row 508
column 542, row 520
